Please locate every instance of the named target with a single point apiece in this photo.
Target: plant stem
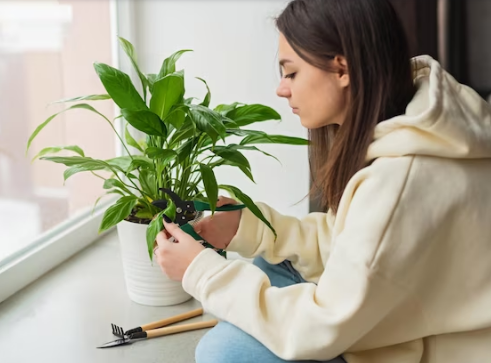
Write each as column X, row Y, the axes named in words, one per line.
column 199, row 193
column 97, row 175
column 208, row 157
column 194, row 184
column 117, row 176
column 135, row 186
column 119, row 137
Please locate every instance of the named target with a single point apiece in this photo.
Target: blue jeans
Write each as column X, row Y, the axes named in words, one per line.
column 226, row 343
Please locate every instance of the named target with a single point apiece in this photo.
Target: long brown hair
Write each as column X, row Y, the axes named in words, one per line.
column 369, row 35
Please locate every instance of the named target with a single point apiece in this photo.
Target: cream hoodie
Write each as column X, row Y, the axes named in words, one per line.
column 403, row 273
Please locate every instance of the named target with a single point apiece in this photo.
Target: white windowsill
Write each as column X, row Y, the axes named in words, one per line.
column 50, row 250
column 64, row 315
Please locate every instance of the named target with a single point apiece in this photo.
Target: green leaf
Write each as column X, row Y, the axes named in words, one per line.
column 117, row 212
column 167, row 92
column 85, row 98
column 121, row 162
column 145, row 163
column 78, row 169
column 156, row 225
column 56, row 149
column 130, row 52
column 170, row 211
column 144, row 214
column 131, row 176
column 127, row 163
column 145, row 121
column 249, row 114
column 232, row 155
column 119, row 87
column 80, row 164
column 116, row 191
column 89, row 163
column 207, row 142
column 185, row 150
column 221, row 162
column 176, row 117
column 111, row 183
column 225, row 109
column 229, row 124
column 148, row 181
column 105, row 195
column 242, row 132
column 169, row 65
column 206, row 101
column 115, row 183
column 247, row 172
column 273, row 139
column 164, row 155
column 185, row 132
column 92, row 109
column 153, row 229
column 143, row 144
column 251, row 148
column 151, row 78
column 130, row 140
column 244, row 198
column 49, row 119
column 189, row 100
column 207, row 121
column 211, row 185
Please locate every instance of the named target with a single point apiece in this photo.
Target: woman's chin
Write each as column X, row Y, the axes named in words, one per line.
column 305, row 123
column 308, row 124
column 313, row 124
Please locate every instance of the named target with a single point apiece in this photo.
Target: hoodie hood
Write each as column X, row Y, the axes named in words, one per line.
column 444, row 119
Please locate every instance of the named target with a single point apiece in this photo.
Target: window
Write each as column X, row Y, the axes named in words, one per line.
column 47, row 51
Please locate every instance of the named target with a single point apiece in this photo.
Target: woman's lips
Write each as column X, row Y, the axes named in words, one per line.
column 294, row 110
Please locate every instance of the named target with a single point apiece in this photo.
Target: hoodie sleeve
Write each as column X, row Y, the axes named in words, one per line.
column 309, row 321
column 299, row 322
column 298, row 239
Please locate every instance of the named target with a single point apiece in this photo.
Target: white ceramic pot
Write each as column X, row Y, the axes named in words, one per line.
column 145, row 281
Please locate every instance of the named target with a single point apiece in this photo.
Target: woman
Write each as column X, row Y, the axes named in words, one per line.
column 398, row 269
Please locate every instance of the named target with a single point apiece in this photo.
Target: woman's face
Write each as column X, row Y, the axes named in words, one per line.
column 318, row 97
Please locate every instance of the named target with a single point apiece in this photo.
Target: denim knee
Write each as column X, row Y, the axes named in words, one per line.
column 218, row 345
column 226, row 343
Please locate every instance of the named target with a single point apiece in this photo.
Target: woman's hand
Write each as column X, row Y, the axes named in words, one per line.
column 219, row 229
column 175, row 257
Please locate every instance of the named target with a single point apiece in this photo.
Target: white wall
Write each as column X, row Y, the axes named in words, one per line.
column 235, row 51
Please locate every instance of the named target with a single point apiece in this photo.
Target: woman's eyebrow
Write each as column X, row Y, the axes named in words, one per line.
column 282, row 62
column 285, row 60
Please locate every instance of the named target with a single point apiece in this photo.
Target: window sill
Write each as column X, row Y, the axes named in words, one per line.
column 49, row 250
column 67, row 313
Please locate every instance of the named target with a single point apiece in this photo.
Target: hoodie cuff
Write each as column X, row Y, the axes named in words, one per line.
column 206, row 264
column 248, row 237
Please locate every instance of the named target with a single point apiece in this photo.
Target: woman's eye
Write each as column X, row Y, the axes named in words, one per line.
column 291, row 75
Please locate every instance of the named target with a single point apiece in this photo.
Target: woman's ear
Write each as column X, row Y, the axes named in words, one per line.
column 343, row 74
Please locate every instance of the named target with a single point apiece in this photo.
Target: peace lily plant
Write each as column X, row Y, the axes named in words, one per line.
column 184, row 143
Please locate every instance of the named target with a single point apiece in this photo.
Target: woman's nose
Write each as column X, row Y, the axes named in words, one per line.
column 283, row 90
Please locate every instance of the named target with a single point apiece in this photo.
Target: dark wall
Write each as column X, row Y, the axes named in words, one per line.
column 420, row 20
column 477, row 46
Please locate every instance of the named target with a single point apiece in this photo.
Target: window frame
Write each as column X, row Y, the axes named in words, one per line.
column 74, row 234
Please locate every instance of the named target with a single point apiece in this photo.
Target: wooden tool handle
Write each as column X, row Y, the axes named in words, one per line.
column 172, row 319
column 181, row 328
